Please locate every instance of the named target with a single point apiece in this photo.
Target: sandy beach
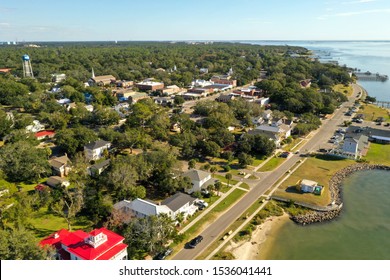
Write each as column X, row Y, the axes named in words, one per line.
column 253, row 249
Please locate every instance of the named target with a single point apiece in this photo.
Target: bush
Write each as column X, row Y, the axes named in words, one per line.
column 226, row 168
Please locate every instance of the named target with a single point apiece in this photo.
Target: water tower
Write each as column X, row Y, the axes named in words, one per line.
column 27, row 69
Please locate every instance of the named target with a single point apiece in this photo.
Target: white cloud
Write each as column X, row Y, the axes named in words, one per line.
column 355, row 13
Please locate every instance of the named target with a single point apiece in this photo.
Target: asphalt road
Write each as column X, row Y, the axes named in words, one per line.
column 321, row 137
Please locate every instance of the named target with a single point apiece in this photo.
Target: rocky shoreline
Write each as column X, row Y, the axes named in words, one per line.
column 336, row 194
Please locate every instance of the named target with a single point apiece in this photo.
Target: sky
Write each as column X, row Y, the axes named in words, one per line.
column 166, row 20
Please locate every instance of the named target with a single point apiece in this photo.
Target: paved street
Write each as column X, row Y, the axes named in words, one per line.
column 320, row 137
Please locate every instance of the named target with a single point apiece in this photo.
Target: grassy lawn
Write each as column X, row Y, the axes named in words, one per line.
column 378, row 153
column 319, row 169
column 245, row 186
column 343, row 89
column 372, row 112
column 257, row 160
column 289, row 147
column 30, row 187
column 272, row 164
column 45, row 223
column 224, row 180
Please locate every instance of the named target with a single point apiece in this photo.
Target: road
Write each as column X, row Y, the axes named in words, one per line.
column 320, row 137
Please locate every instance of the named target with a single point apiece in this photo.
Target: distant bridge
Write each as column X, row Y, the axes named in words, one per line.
column 383, row 104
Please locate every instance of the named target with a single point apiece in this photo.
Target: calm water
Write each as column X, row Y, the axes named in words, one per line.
column 373, row 56
column 361, row 232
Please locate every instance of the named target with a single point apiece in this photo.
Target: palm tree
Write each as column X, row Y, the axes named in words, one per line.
column 218, row 187
column 228, row 177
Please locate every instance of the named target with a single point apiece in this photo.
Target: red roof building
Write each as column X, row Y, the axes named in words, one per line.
column 40, row 135
column 99, row 244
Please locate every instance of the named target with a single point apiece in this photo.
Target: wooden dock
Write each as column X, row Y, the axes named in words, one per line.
column 382, row 104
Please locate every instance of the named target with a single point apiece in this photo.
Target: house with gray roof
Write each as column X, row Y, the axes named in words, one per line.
column 94, row 150
column 57, row 182
column 274, row 133
column 172, row 206
column 60, row 165
column 98, row 168
column 200, row 180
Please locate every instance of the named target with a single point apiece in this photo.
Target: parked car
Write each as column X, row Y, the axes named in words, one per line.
column 195, row 241
column 284, row 154
column 164, row 254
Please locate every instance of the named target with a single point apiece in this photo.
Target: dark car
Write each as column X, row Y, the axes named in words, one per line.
column 163, row 255
column 195, row 241
column 284, row 154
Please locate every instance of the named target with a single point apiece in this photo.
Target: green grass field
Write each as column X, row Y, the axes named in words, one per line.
column 372, row 112
column 319, row 169
column 378, row 153
column 272, row 164
column 224, row 180
column 343, row 89
column 45, row 223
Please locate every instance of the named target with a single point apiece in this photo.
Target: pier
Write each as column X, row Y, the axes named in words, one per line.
column 382, row 104
column 368, row 76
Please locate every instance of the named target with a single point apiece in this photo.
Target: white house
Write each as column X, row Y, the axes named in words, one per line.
column 94, row 150
column 35, row 126
column 199, row 179
column 274, row 133
column 201, row 83
column 263, row 101
column 267, row 114
column 172, row 206
column 308, row 186
column 354, row 146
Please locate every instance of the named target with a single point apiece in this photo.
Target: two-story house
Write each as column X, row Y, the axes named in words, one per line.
column 99, row 244
column 199, row 179
column 94, row 150
column 60, row 165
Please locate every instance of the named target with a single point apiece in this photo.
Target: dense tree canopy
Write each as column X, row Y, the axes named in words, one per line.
column 21, row 161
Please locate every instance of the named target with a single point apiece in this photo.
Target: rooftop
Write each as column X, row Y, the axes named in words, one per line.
column 96, row 144
column 196, row 175
column 177, row 201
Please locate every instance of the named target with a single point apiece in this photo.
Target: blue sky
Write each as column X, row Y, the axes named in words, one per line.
column 86, row 20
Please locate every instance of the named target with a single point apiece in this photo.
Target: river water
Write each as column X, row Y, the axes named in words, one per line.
column 360, row 233
column 373, row 56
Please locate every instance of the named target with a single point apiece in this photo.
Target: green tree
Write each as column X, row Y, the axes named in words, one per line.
column 191, row 164
column 74, row 139
column 69, row 204
column 123, row 177
column 6, row 123
column 22, row 245
column 244, row 160
column 149, row 235
column 228, row 177
column 21, row 161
